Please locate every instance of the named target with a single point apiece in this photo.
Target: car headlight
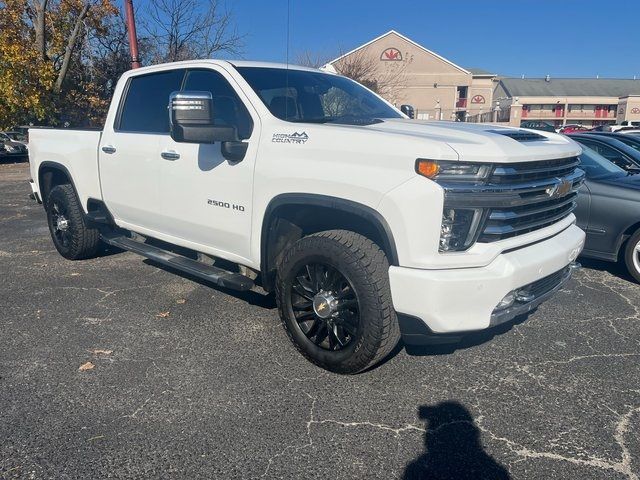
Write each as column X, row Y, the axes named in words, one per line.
column 453, row 171
column 460, row 227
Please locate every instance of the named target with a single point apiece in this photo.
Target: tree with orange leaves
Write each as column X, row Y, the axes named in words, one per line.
column 46, row 53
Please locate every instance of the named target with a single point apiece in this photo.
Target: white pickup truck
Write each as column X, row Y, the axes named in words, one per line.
column 367, row 225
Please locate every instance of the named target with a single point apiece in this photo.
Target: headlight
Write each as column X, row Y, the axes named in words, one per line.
column 453, row 171
column 459, row 228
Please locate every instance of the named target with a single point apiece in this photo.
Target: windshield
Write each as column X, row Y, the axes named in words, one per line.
column 315, row 97
column 632, row 142
column 596, row 166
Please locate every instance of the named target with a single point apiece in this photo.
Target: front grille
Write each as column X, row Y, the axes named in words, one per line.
column 538, row 207
column 509, row 222
column 530, row 171
column 519, row 198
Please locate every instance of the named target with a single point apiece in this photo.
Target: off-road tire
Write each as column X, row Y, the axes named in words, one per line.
column 82, row 241
column 366, row 267
column 632, row 257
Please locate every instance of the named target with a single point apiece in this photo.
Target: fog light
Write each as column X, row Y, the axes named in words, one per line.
column 507, row 301
column 525, row 296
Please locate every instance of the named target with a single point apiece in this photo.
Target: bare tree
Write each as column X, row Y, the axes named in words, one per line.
column 71, row 44
column 387, row 79
column 309, row 58
column 181, row 30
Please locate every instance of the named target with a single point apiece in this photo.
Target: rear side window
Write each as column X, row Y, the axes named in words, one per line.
column 228, row 109
column 145, row 107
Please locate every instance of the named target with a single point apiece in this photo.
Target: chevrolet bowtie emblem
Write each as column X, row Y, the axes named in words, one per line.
column 559, row 189
column 322, row 306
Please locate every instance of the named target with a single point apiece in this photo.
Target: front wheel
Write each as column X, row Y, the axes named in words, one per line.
column 70, row 235
column 334, row 300
column 632, row 256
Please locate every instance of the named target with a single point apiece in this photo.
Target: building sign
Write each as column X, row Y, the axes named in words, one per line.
column 391, row 55
column 635, row 110
column 478, row 99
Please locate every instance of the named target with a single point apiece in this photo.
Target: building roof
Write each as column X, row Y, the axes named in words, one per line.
column 569, row 87
column 393, row 32
column 481, row 72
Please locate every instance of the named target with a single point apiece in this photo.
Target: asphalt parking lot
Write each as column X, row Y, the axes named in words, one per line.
column 190, row 381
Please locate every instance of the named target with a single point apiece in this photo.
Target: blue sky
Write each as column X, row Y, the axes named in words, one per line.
column 562, row 38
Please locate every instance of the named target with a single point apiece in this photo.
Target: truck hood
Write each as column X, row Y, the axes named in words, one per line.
column 484, row 142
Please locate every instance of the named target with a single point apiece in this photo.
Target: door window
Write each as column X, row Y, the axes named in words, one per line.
column 228, row 109
column 145, row 107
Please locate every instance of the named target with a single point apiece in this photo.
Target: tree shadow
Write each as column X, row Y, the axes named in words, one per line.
column 452, row 447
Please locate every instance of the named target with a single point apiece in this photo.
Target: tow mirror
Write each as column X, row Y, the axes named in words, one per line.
column 192, row 121
column 408, row 110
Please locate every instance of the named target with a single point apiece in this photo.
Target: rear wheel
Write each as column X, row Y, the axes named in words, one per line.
column 71, row 237
column 632, row 256
column 335, row 303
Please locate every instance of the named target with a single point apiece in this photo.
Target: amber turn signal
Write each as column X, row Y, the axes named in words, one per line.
column 427, row 168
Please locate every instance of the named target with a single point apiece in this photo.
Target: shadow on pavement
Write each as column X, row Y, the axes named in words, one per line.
column 452, row 447
column 469, row 340
column 262, row 300
column 613, row 268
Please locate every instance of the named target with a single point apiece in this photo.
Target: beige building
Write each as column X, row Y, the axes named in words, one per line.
column 405, row 72
column 562, row 101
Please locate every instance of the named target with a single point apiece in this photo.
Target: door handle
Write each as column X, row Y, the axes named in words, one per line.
column 170, row 155
column 109, row 149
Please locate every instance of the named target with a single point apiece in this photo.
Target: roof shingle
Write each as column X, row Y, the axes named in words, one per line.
column 570, row 87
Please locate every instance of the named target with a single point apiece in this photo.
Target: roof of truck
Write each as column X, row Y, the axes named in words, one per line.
column 235, row 63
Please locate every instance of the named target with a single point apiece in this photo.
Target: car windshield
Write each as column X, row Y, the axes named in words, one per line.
column 632, row 142
column 595, row 166
column 315, row 97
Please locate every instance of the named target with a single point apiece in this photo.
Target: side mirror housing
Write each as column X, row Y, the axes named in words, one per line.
column 192, row 121
column 408, row 110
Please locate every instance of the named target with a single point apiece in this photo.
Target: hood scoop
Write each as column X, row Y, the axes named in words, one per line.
column 520, row 135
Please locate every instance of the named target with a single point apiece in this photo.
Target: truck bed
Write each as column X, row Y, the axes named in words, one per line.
column 75, row 149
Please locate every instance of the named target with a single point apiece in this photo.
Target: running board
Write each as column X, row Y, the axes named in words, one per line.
column 223, row 278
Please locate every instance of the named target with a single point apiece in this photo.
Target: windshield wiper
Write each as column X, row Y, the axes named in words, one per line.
column 353, row 120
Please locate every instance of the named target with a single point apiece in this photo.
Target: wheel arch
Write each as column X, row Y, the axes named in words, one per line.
column 624, row 237
column 51, row 174
column 291, row 216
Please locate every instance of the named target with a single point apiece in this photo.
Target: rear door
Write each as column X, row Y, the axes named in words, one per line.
column 130, row 162
column 206, row 198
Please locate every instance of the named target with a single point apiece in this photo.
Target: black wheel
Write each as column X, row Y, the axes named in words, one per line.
column 632, row 255
column 333, row 295
column 70, row 235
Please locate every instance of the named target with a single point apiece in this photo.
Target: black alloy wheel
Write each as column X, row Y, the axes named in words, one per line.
column 325, row 306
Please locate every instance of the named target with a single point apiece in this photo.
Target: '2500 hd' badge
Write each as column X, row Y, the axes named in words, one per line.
column 295, row 137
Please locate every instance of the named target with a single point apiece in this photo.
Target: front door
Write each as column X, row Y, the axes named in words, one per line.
column 130, row 165
column 206, row 199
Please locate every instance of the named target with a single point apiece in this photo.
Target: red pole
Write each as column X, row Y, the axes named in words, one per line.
column 131, row 30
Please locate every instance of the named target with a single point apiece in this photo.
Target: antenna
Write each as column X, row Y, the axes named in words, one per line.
column 286, row 92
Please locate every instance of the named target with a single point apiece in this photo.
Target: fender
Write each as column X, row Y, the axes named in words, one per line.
column 55, row 166
column 366, row 213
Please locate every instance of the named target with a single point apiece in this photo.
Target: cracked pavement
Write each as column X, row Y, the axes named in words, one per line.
column 203, row 383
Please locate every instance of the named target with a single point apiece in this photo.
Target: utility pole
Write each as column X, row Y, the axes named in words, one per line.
column 131, row 30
